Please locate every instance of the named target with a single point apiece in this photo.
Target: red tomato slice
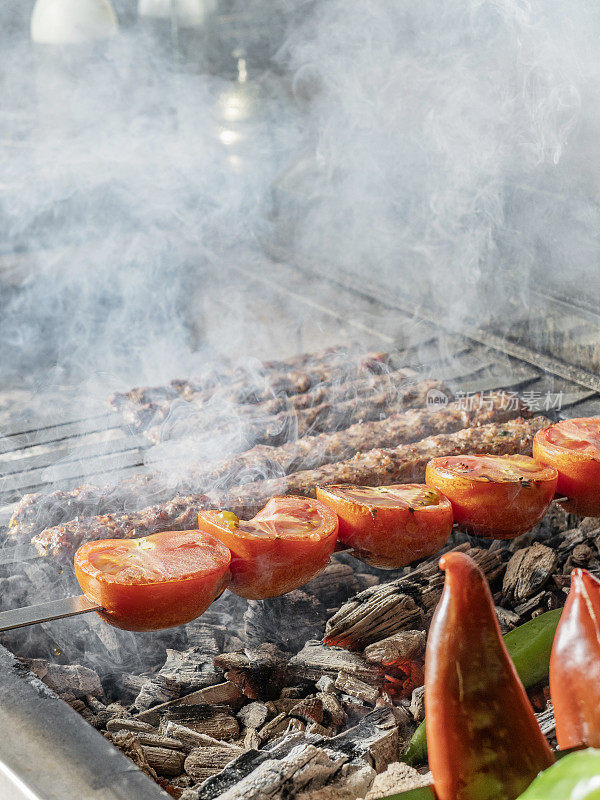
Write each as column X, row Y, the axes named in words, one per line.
column 495, row 496
column 280, row 549
column 390, row 526
column 154, row 582
column 573, row 447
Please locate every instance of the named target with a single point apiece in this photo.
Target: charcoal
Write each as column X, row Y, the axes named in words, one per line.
column 259, row 673
column 310, row 710
column 398, row 777
column 243, row 766
column 417, row 704
column 401, row 647
column 203, row 762
column 124, row 724
column 158, row 740
column 528, row 571
column 403, row 604
column 333, row 711
column 215, row 721
column 354, row 687
column 306, row 767
column 253, row 715
column 374, row 740
column 129, row 745
column 164, row 760
column 190, row 739
column 189, row 669
column 220, row 693
column 275, row 727
column 286, row 621
column 539, row 602
column 315, row 660
column 67, row 680
column 156, row 691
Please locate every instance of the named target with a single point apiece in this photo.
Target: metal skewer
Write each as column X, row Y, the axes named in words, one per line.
column 46, row 612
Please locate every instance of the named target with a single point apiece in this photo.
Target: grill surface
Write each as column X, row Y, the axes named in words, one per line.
column 64, row 448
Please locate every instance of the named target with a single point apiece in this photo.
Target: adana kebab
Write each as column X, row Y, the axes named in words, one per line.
column 135, row 492
column 314, row 419
column 399, row 428
column 142, row 406
column 214, row 414
column 377, row 467
column 143, row 397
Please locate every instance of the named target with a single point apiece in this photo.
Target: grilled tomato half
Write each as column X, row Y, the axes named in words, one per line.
column 495, row 496
column 280, row 549
column 390, row 526
column 573, row 447
column 154, row 582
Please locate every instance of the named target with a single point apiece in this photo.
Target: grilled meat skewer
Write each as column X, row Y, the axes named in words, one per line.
column 38, row 511
column 405, row 463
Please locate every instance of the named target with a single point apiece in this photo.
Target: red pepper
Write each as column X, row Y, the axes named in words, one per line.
column 575, row 665
column 483, row 739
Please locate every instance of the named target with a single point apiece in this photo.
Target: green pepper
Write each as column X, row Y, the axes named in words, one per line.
column 574, row 777
column 529, row 646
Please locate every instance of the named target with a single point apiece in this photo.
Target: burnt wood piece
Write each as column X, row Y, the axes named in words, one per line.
column 528, row 571
column 401, row 647
column 205, row 761
column 284, row 768
column 164, row 760
column 67, row 680
column 184, row 670
column 316, row 660
column 403, row 604
column 259, row 673
column 305, row 768
column 325, row 448
column 181, row 513
column 379, row 467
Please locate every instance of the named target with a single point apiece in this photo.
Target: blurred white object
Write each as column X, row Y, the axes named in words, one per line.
column 72, row 21
column 188, row 12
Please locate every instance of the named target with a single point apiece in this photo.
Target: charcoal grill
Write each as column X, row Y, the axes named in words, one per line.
column 57, row 754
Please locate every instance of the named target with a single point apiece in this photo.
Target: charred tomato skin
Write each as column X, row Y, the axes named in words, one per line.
column 415, row 522
column 498, row 497
column 283, row 547
column 483, row 740
column 158, row 581
column 575, row 665
column 578, row 468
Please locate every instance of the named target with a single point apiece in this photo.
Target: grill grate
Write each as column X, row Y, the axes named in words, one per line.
column 65, row 449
